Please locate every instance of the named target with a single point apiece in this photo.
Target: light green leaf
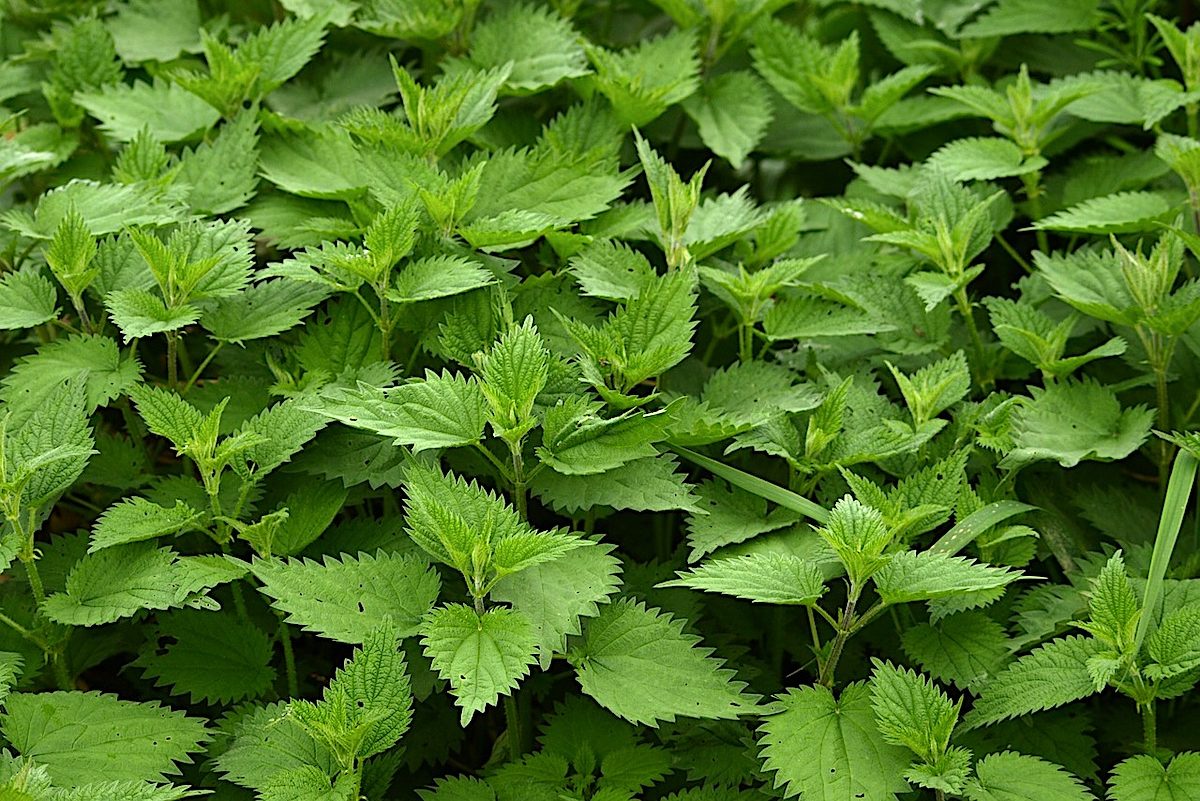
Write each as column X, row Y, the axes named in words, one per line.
column 921, row 576
column 482, row 656
column 1010, row 776
column 96, row 360
column 650, row 484
column 137, row 519
column 1070, row 421
column 170, row 112
column 640, row 665
column 89, row 737
column 26, row 299
column 732, row 112
column 772, row 578
column 345, row 599
column 555, row 595
column 1143, row 778
column 826, row 749
column 982, row 159
column 1121, row 213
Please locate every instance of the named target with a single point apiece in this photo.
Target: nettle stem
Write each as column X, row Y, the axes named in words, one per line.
column 289, row 659
column 518, row 481
column 746, row 342
column 1149, row 727
column 964, row 308
column 845, row 628
column 1033, row 191
column 172, row 358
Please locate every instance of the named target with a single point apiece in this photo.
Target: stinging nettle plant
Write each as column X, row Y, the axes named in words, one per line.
column 684, row 400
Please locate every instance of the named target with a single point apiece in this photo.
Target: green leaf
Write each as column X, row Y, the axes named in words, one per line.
column 555, row 595
column 170, row 112
column 576, row 441
column 1121, row 213
column 137, row 519
column 1175, row 644
column 95, row 360
column 311, row 164
column 221, row 174
column 89, row 737
column 105, row 208
column 1009, row 17
column 824, row 748
column 208, row 657
column 642, row 82
column 438, row 277
column 118, row 582
column 155, row 30
column 912, row 711
column 649, row 484
column 1070, row 421
column 1113, row 606
column 513, row 373
column 345, row 599
column 367, row 707
column 934, row 388
column 142, row 313
column 482, row 656
column 967, row 649
column 541, row 47
column 640, row 665
column 263, row 310
column 26, row 299
column 1010, row 776
column 772, row 578
column 983, row 159
column 764, row 489
column 921, row 576
column 733, row 515
column 1143, row 778
column 440, row 411
column 732, row 112
column 1050, row 676
column 266, row 743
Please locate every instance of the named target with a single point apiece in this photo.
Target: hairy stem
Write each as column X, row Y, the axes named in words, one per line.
column 518, row 480
column 516, row 733
column 1149, row 727
column 172, row 357
column 844, row 630
column 968, row 315
column 289, row 659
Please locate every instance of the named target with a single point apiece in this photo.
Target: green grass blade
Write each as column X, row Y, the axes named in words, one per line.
column 760, row 487
column 1179, row 489
column 967, row 529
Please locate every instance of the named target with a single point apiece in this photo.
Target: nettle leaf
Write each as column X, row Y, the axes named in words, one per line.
column 268, row 743
column 921, row 576
column 637, row 663
column 1009, row 17
column 345, row 599
column 576, row 441
column 554, row 596
column 27, row 298
column 967, row 649
column 650, row 484
column 1050, row 676
column 829, row 748
column 773, row 578
column 1070, row 421
column 1143, row 778
column 983, row 159
column 137, row 519
column 482, row 656
column 158, row 30
column 167, row 110
column 106, row 372
column 1010, row 776
column 440, row 411
column 730, row 515
column 208, row 657
column 542, row 48
column 89, row 737
column 118, row 582
column 1121, row 213
column 732, row 112
column 912, row 711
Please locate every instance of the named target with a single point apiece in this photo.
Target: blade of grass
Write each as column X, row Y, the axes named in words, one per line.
column 760, row 487
column 1179, row 489
column 967, row 529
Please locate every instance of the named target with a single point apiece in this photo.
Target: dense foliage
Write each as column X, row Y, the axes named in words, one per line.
column 703, row 400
